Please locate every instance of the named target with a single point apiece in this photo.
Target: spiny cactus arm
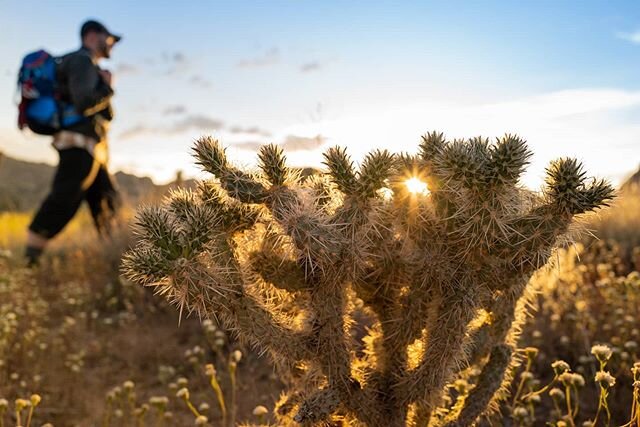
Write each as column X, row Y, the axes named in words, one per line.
column 419, row 306
column 500, row 320
column 197, row 224
column 207, row 279
column 569, row 192
column 299, row 217
column 159, row 230
column 497, row 339
column 364, row 218
column 566, row 194
column 475, row 163
column 329, row 327
column 508, row 158
column 273, row 164
column 146, row 265
column 179, row 229
column 318, row 242
column 489, row 382
column 281, row 272
column 318, row 407
column 341, row 170
column 285, row 406
column 445, row 345
column 234, row 216
column 211, row 156
column 432, row 148
column 462, row 163
column 323, row 192
column 402, row 317
column 264, row 327
column 374, row 173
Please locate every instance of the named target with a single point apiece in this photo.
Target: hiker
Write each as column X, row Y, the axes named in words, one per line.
column 82, row 146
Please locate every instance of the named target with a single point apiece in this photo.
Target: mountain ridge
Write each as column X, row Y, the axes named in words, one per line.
column 24, row 185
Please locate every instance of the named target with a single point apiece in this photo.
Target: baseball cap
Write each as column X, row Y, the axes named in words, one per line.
column 97, row 27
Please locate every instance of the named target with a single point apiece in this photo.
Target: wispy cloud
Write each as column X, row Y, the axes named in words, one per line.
column 174, row 109
column 251, row 146
column 175, row 62
column 201, row 123
column 633, row 37
column 255, row 130
column 303, row 143
column 200, row 81
column 270, row 57
column 126, row 68
column 136, row 131
column 311, row 66
column 291, row 144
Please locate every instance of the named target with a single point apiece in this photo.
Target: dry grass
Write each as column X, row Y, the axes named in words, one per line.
column 72, row 330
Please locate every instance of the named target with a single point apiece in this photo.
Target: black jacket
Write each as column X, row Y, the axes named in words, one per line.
column 81, row 85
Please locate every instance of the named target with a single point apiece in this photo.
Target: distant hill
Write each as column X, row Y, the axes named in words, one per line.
column 23, row 185
column 632, row 183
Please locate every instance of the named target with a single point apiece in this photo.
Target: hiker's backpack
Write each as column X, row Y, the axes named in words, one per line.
column 40, row 108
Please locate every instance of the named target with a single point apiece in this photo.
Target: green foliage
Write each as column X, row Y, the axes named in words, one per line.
column 290, row 265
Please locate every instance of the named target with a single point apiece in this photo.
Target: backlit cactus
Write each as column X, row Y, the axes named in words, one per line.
column 369, row 297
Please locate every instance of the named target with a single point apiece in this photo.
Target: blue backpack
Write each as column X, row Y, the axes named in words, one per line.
column 40, row 108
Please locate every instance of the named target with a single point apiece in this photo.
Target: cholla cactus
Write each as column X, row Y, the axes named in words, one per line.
column 289, row 264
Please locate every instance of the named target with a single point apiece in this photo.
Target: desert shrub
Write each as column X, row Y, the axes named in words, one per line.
column 370, row 295
column 586, row 297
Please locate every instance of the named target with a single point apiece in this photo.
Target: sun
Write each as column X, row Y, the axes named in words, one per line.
column 415, row 186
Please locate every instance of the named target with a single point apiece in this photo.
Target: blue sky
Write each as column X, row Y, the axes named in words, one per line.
column 365, row 74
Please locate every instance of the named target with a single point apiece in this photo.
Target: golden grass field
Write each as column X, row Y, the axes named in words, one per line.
column 81, row 346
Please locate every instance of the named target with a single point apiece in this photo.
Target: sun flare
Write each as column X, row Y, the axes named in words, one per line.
column 415, row 186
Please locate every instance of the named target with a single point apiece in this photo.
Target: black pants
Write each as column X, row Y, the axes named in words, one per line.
column 78, row 177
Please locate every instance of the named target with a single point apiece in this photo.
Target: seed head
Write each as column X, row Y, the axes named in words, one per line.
column 526, row 376
column 605, row 379
column 571, row 378
column 35, row 399
column 236, row 356
column 260, row 411
column 520, row 413
column 210, row 370
column 183, row 393
column 201, row 420
column 21, row 404
column 601, row 352
column 3, row 404
column 560, row 367
column 534, row 398
column 159, row 401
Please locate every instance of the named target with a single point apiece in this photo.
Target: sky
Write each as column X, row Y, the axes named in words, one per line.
column 564, row 75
